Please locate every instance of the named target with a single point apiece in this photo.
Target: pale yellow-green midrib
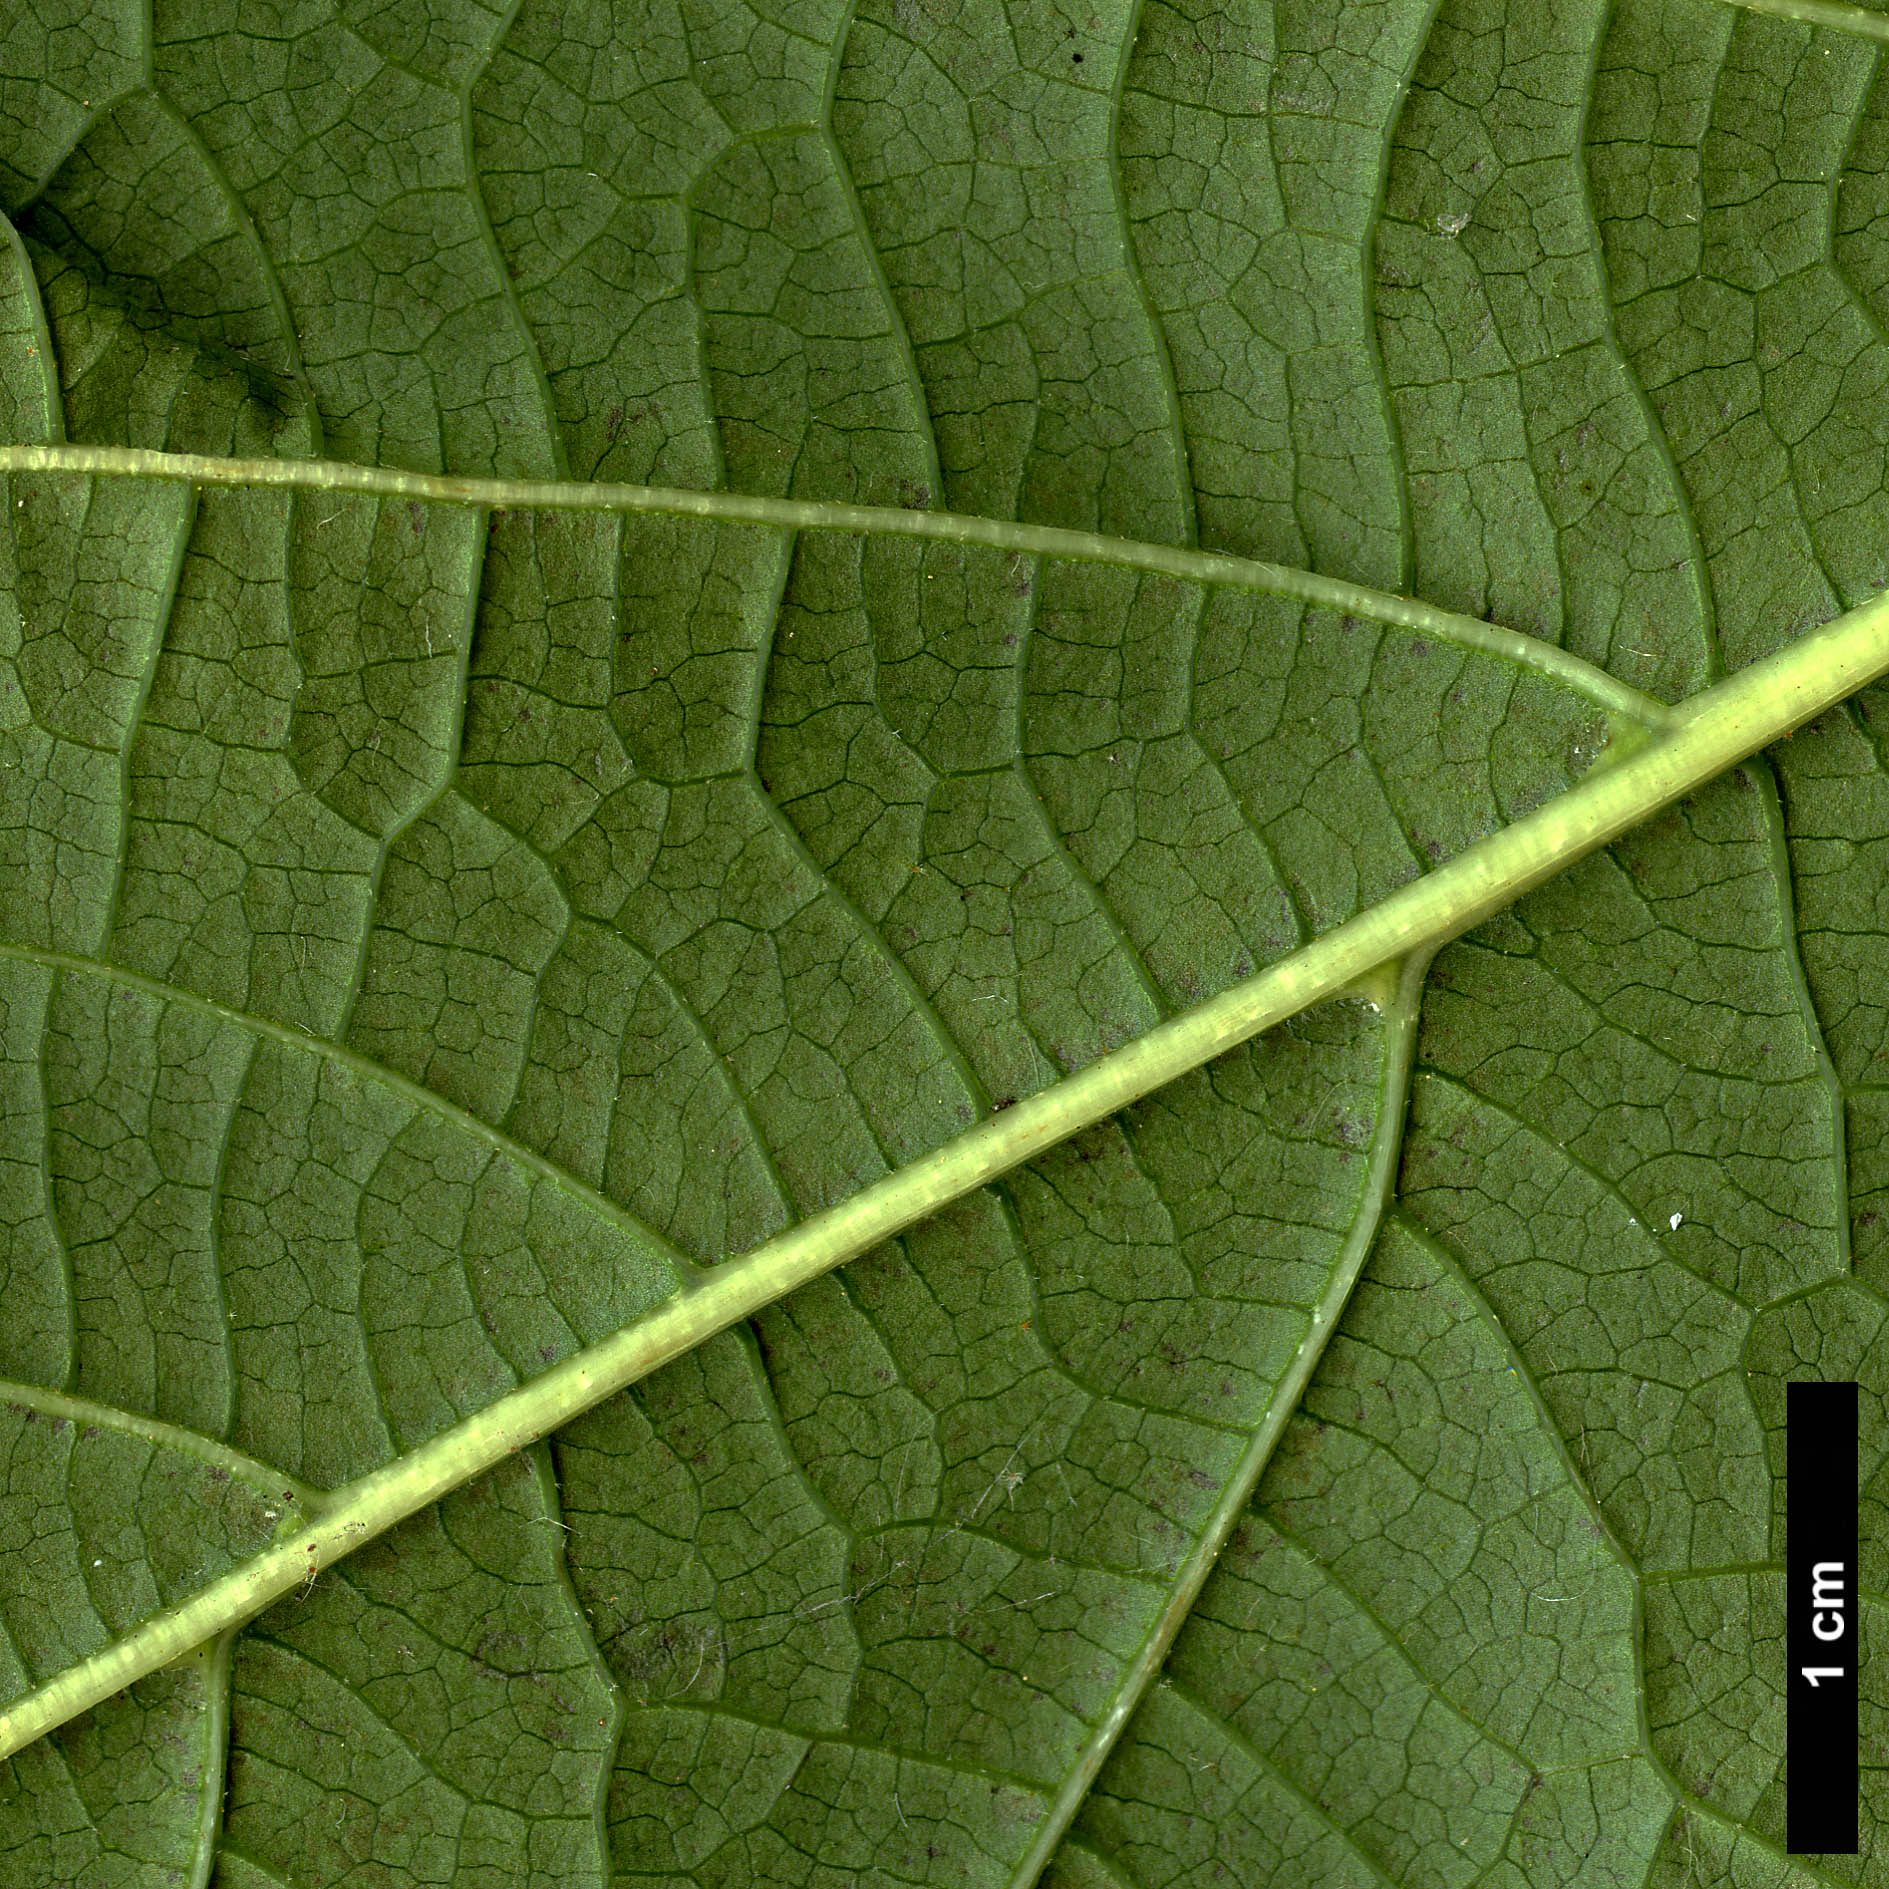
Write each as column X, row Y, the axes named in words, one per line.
column 1705, row 736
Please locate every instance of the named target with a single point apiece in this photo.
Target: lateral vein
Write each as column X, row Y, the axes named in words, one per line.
column 1703, row 737
column 416, row 1094
column 62, row 1406
column 1834, row 14
column 1084, row 547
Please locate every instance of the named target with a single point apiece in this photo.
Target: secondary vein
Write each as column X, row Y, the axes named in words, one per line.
column 1235, row 1498
column 417, row 1094
column 1706, row 735
column 63, row 1406
column 1084, row 547
column 1831, row 13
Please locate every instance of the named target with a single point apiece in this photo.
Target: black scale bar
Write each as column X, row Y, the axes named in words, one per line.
column 1821, row 1618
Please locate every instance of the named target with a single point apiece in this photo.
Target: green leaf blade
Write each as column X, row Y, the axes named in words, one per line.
column 462, row 903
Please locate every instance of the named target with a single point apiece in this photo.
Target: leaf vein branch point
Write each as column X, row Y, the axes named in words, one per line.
column 1715, row 731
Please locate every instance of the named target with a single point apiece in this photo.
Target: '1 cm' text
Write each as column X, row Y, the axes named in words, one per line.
column 1826, row 1616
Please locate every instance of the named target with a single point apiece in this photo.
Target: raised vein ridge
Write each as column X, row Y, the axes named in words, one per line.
column 1706, row 735
column 1086, row 547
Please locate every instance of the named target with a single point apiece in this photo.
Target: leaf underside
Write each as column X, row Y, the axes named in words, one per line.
column 421, row 918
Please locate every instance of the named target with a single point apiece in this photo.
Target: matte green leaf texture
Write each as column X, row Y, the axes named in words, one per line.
column 430, row 932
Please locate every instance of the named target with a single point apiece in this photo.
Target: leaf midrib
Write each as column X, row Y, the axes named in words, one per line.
column 1688, row 746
